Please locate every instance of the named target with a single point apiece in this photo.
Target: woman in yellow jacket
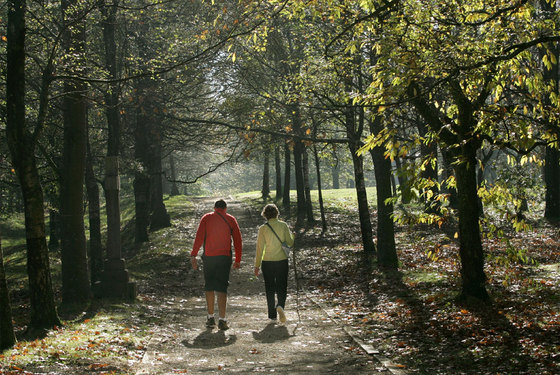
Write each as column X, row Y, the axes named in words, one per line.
column 273, row 261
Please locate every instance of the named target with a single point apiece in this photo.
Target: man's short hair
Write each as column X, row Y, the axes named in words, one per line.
column 220, row 204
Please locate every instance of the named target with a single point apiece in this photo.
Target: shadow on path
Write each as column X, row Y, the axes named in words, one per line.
column 208, row 339
column 272, row 333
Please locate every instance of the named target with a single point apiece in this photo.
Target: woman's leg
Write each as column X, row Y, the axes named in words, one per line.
column 282, row 281
column 269, row 276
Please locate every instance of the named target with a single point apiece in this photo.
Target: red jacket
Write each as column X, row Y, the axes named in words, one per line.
column 215, row 234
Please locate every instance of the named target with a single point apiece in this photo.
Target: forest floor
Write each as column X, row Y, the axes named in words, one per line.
column 345, row 318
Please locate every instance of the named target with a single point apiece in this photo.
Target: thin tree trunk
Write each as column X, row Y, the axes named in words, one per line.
column 287, row 179
column 141, row 204
column 174, row 189
column 75, row 277
column 95, row 244
column 319, row 188
column 111, row 185
column 404, row 185
column 552, row 181
column 551, row 77
column 22, row 146
column 363, row 207
column 336, row 175
column 142, row 184
column 159, row 217
column 298, row 169
column 353, row 134
column 307, row 187
column 278, row 173
column 7, row 336
column 265, row 191
column 386, row 249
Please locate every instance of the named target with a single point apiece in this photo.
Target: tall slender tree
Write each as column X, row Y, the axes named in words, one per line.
column 22, row 143
column 278, row 173
column 550, row 53
column 287, row 179
column 75, row 277
column 265, row 191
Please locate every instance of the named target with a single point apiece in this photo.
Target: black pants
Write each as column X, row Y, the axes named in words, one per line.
column 275, row 275
column 216, row 272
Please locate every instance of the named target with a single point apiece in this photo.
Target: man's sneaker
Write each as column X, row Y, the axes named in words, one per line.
column 210, row 323
column 222, row 324
column 281, row 315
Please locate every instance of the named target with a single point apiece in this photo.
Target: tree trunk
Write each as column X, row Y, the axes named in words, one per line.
column 278, row 172
column 551, row 77
column 287, row 179
column 75, row 277
column 404, row 185
column 159, row 217
column 470, row 244
column 22, row 149
column 299, row 149
column 336, row 175
column 552, row 180
column 265, row 192
column 353, row 133
column 141, row 204
column 95, row 244
column 174, row 189
column 142, row 184
column 363, row 207
column 111, row 186
column 307, row 188
column 319, row 189
column 7, row 336
column 386, row 250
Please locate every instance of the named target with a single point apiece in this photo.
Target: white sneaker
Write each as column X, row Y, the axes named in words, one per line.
column 281, row 315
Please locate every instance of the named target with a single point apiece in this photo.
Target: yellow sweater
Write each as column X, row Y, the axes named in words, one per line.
column 268, row 246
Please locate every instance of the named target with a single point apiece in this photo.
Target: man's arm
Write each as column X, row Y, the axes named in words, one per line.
column 237, row 243
column 198, row 241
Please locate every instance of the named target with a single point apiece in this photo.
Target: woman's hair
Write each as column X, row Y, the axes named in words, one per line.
column 270, row 211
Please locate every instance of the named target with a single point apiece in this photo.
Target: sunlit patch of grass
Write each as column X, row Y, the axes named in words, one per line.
column 334, row 199
column 423, row 276
column 166, row 245
column 107, row 342
column 127, row 209
column 178, row 206
column 12, row 230
column 15, row 264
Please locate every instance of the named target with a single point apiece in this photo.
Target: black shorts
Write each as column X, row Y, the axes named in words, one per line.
column 216, row 272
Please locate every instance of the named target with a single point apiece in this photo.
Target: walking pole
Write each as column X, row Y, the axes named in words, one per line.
column 294, row 261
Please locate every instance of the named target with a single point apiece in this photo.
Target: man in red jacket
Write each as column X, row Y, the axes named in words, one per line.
column 215, row 232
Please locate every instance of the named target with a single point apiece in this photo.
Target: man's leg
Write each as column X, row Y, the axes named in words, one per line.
column 210, row 302
column 222, row 304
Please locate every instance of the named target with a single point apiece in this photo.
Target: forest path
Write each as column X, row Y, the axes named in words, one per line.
column 180, row 343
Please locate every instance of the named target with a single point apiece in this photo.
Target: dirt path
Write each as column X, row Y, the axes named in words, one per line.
column 313, row 345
